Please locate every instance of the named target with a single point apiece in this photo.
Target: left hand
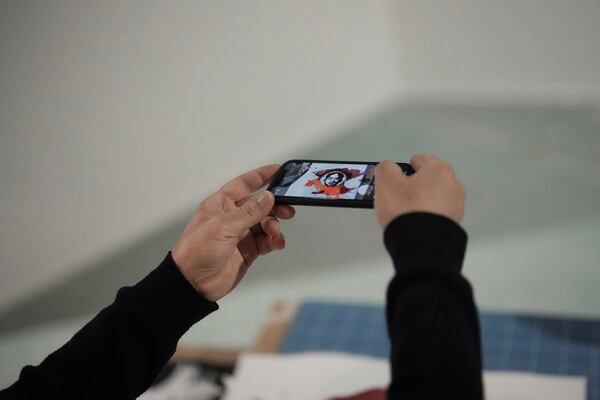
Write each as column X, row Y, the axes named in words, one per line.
column 228, row 232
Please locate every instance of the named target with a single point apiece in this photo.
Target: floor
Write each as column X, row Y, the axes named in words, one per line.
column 532, row 213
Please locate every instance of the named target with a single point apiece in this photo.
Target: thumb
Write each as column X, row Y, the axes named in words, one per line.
column 388, row 173
column 252, row 211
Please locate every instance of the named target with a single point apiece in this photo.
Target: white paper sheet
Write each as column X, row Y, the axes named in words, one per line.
column 184, row 383
column 507, row 385
column 322, row 375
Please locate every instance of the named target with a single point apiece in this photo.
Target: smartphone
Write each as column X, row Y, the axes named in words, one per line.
column 327, row 183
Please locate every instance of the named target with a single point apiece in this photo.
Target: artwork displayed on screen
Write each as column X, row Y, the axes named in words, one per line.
column 319, row 180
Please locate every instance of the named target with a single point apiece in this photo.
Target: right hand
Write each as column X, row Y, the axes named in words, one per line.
column 432, row 188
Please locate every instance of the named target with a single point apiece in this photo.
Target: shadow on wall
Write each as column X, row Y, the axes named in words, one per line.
column 525, row 167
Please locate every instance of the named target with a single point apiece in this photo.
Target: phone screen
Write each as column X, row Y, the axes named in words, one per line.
column 326, row 180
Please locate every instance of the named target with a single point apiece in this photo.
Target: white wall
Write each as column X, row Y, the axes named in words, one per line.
column 508, row 49
column 116, row 116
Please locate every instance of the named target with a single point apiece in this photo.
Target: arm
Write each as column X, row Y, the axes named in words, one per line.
column 120, row 352
column 432, row 318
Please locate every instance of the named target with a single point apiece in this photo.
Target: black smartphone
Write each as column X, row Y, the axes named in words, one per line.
column 327, row 183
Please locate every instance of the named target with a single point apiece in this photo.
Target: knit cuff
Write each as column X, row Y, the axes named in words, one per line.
column 429, row 235
column 167, row 293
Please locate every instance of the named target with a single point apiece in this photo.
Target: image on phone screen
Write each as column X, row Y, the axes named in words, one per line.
column 320, row 180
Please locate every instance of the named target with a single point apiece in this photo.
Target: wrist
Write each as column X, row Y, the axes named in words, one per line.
column 182, row 262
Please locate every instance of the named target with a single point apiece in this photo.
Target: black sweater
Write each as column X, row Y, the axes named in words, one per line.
column 431, row 315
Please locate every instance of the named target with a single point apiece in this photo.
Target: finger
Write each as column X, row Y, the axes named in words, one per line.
column 266, row 244
column 244, row 185
column 281, row 211
column 419, row 161
column 256, row 229
column 278, row 242
column 284, row 212
column 254, row 210
column 270, row 226
column 388, row 171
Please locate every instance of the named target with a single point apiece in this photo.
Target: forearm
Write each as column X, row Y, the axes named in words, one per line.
column 432, row 318
column 120, row 352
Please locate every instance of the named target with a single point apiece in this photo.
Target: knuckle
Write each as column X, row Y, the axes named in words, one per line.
column 210, row 202
column 247, row 209
column 415, row 158
column 204, row 204
column 219, row 197
column 446, row 169
column 423, row 156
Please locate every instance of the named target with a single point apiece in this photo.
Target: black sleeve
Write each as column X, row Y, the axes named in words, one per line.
column 431, row 315
column 119, row 353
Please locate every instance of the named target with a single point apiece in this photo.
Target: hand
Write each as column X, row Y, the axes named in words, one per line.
column 432, row 188
column 228, row 232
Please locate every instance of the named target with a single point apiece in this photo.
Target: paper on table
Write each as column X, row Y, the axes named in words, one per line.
column 314, row 375
column 323, row 375
column 508, row 385
column 184, row 383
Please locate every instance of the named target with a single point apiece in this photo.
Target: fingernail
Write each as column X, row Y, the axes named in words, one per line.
column 262, row 197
